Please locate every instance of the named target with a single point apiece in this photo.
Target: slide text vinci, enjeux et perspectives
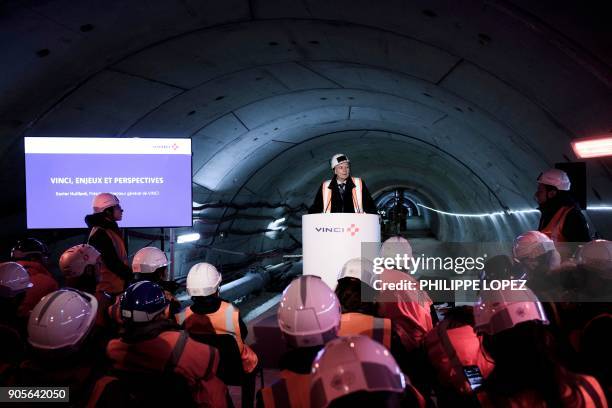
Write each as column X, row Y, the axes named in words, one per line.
column 107, row 180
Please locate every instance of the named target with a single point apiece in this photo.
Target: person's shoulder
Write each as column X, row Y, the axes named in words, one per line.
column 360, row 180
column 575, row 217
column 576, row 211
column 114, row 344
column 98, row 233
column 592, row 381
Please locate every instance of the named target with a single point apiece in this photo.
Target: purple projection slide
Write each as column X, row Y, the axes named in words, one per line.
column 154, row 189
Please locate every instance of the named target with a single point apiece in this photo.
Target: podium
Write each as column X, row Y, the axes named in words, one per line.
column 331, row 239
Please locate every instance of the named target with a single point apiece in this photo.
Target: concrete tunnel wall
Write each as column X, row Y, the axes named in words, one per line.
column 464, row 104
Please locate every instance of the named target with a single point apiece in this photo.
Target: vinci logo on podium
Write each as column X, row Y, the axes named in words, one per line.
column 351, row 230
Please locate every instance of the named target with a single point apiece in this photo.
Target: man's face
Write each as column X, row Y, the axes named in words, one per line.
column 542, row 195
column 342, row 171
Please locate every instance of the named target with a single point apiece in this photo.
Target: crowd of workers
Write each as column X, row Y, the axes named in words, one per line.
column 115, row 334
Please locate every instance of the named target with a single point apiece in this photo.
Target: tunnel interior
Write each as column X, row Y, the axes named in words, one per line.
column 447, row 110
column 460, row 106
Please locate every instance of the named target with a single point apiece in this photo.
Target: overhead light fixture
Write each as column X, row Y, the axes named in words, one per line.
column 275, row 227
column 181, row 239
column 593, row 147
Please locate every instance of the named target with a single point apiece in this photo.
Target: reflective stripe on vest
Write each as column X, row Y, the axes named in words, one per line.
column 224, row 321
column 376, row 328
column 327, row 195
column 357, row 194
column 554, row 228
column 177, row 351
column 595, row 396
column 229, row 320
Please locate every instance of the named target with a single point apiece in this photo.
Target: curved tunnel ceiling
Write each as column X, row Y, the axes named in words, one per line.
column 464, row 104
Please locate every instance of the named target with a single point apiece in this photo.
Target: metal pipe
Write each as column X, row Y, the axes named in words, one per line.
column 249, row 283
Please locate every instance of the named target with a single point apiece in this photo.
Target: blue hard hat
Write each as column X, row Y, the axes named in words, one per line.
column 142, row 302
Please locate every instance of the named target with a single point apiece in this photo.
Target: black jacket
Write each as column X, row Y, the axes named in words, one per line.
column 343, row 204
column 103, row 243
column 299, row 360
column 576, row 228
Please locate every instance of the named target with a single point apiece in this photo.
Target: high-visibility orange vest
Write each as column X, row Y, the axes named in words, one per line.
column 450, row 350
column 42, row 284
column 194, row 361
column 224, row 321
column 554, row 228
column 292, row 390
column 408, row 310
column 109, row 281
column 376, row 328
column 590, row 392
column 357, row 194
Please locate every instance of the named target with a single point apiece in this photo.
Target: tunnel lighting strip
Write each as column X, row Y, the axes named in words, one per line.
column 481, row 215
column 600, row 208
column 593, row 147
column 501, row 213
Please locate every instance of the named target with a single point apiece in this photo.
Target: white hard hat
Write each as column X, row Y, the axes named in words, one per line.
column 61, row 319
column 203, row 280
column 309, row 312
column 352, row 364
column 531, row 245
column 556, row 178
column 497, row 311
column 337, row 159
column 394, row 246
column 103, row 201
column 14, row 279
column 148, row 260
column 596, row 255
column 74, row 260
column 358, row 268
